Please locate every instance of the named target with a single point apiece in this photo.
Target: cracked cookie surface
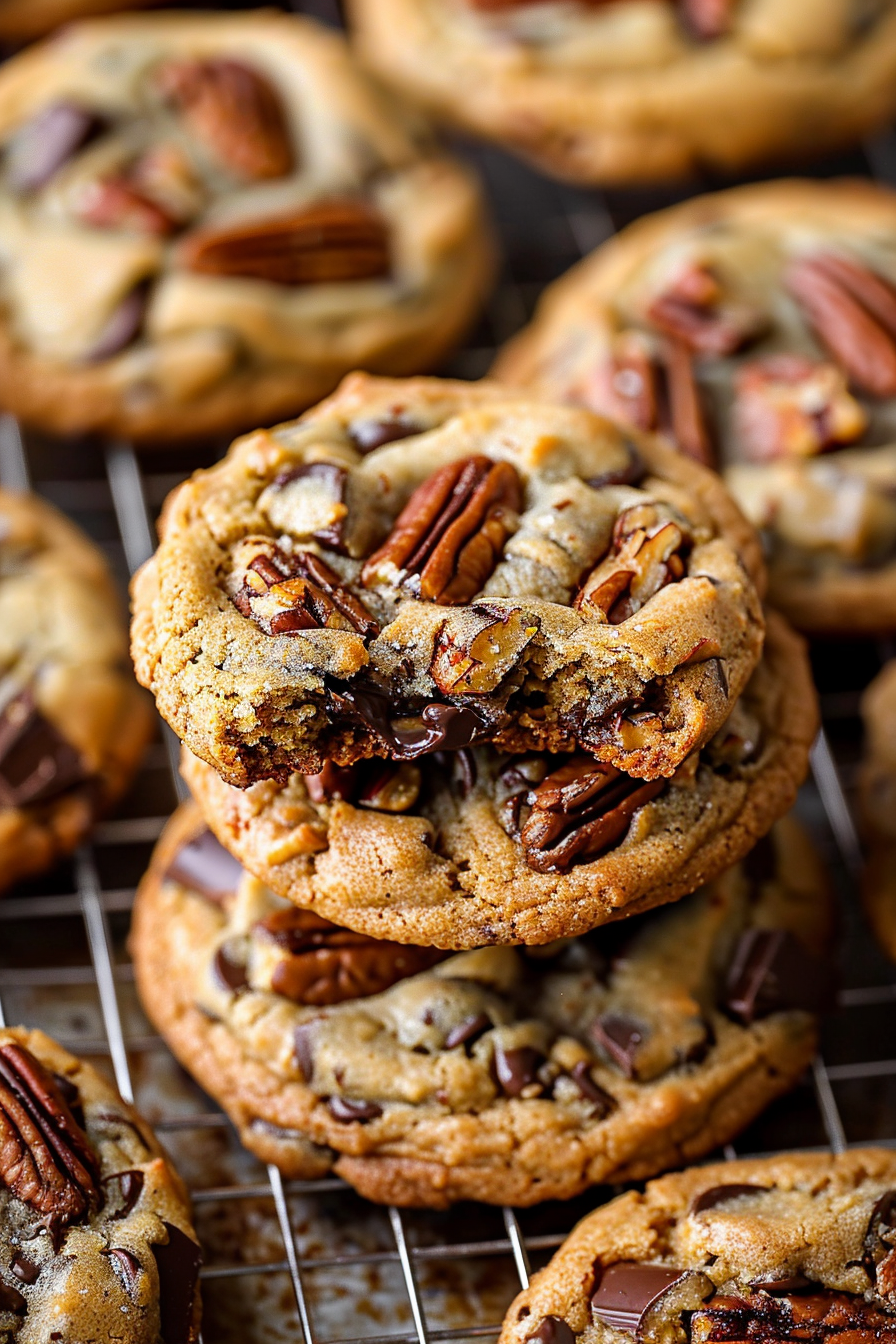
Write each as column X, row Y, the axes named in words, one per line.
column 95, row 1234
column 73, row 722
column 756, row 328
column 638, row 90
column 481, row 847
column 422, row 564
column 498, row 1074
column 206, row 221
column 780, row 1248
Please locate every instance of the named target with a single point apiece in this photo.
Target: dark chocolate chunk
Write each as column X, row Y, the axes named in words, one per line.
column 620, row 1037
column 468, row 1031
column 592, row 1091
column 123, row 326
column 553, row 1330
column 627, row 1289
column 771, row 972
column 230, row 974
column 517, row 1068
column 345, row 1110
column 792, row 1283
column 128, row 1265
column 437, row 728
column 718, row 1194
column 369, row 434
column 204, row 865
column 36, row 762
column 11, row 1299
column 301, row 1048
column 125, row 1188
column 25, row 1270
column 47, row 143
column 178, row 1262
column 761, row 865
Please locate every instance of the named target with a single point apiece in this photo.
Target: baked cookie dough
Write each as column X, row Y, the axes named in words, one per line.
column 878, row 806
column 796, row 1247
column 480, row 847
column 73, row 722
column 501, row 1075
column 637, row 90
column 206, row 220
column 426, row 564
column 757, row 328
column 95, row 1235
column 22, row 20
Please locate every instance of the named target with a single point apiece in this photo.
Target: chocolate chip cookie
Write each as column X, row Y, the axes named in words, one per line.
column 479, row 846
column 73, row 723
column 499, row 1074
column 206, row 220
column 637, row 90
column 757, row 329
column 783, row 1248
column 878, row 805
column 95, row 1235
column 420, row 565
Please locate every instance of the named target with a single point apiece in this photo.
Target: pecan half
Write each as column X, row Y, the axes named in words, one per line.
column 325, row 964
column 646, row 554
column 851, row 312
column 692, row 310
column 46, row 1160
column 817, row 1316
column 449, row 536
column 233, row 111
column 330, row 242
column 286, row 594
column 579, row 811
column 115, row 203
column 791, row 406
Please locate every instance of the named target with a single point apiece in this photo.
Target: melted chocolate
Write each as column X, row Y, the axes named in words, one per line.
column 178, row 1262
column 36, row 762
column 204, row 866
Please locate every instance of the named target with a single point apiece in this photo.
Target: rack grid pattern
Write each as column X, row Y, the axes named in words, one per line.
column 310, row 1260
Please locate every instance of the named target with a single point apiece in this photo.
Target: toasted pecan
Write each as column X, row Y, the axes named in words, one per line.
column 843, row 305
column 285, row 594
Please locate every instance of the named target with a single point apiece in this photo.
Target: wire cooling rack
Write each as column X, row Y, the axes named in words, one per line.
column 311, row 1261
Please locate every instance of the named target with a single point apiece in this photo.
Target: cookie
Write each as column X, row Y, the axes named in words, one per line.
column 95, row 1235
column 482, row 847
column 22, row 20
column 757, row 328
column 878, row 806
column 208, row 219
column 498, row 1074
column 782, row 1248
column 492, row 570
column 633, row 92
column 73, row 722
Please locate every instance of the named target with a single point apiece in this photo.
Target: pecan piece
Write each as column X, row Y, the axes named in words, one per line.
column 645, row 555
column 286, row 594
column 849, row 309
column 687, row 423
column 791, row 406
column 330, row 242
column 383, row 786
column 580, row 811
column 879, row 1252
column 691, row 310
column 625, row 385
column 817, row 1316
column 708, row 19
column 449, row 536
column 46, row 1160
column 326, row 964
column 115, row 203
column 475, row 660
column 233, row 111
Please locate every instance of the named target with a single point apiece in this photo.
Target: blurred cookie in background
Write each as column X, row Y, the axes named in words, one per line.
column 207, row 219
column 755, row 328
column 73, row 722
column 878, row 806
column 22, row 20
column 638, row 90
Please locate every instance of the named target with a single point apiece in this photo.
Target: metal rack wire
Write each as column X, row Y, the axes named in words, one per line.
column 310, row 1260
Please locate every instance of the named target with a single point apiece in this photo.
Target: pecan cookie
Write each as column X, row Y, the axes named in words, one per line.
column 206, row 220
column 757, row 328
column 73, row 723
column 478, row 847
column 419, row 565
column 878, row 806
column 796, row 1247
column 95, row 1235
column 636, row 90
column 498, row 1074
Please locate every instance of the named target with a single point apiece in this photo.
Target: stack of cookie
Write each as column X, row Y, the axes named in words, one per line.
column 462, row 677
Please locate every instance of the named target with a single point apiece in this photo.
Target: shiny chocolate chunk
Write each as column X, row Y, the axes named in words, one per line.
column 229, row 973
column 720, row 1194
column 468, row 1031
column 123, row 326
column 122, row 1192
column 178, row 1262
column 127, row 1264
column 47, row 143
column 347, row 1111
column 25, row 1270
column 204, row 865
column 592, row 1091
column 620, row 1036
column 12, row 1300
column 772, row 972
column 552, row 1330
column 369, row 434
column 301, row 1048
column 36, row 762
column 627, row 1289
column 517, row 1068
column 405, row 737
